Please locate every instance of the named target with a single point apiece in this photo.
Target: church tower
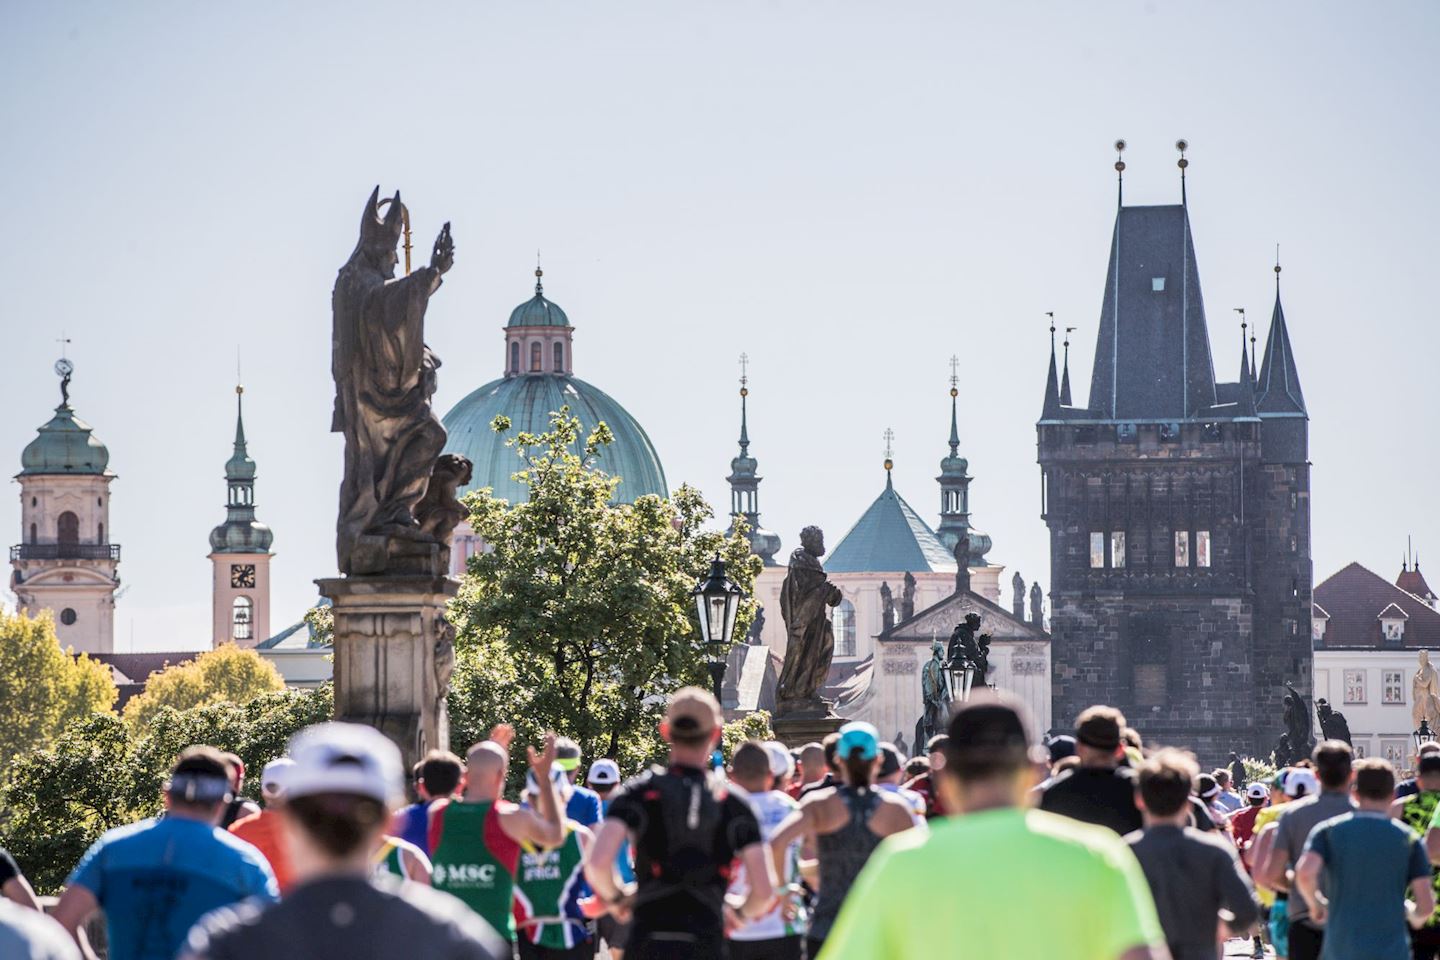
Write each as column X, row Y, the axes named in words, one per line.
column 1179, row 511
column 954, row 483
column 67, row 563
column 240, row 552
column 745, row 483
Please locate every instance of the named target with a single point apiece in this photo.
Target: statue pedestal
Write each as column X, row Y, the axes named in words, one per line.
column 799, row 727
column 394, row 653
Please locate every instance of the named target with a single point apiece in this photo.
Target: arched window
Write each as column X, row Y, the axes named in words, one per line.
column 67, row 528
column 843, row 621
column 100, row 534
column 535, row 357
column 514, row 356
column 242, row 620
column 559, row 357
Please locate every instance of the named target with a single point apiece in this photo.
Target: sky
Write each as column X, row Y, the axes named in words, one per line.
column 848, row 192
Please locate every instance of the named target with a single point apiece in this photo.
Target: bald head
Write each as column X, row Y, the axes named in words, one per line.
column 486, row 765
column 812, row 757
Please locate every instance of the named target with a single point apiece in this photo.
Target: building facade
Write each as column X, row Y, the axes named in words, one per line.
column 1178, row 510
column 240, row 552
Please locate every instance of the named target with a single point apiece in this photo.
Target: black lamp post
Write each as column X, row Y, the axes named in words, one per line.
column 1423, row 735
column 716, row 601
column 962, row 677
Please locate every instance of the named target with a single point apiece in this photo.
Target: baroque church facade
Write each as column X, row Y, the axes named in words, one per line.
column 1178, row 509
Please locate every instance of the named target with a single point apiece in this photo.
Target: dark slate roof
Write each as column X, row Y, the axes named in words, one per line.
column 1152, row 354
column 1412, row 581
column 1278, row 387
column 1392, row 612
column 139, row 666
column 890, row 537
column 1355, row 598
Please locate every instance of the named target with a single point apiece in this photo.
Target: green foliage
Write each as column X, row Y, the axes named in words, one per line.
column 1257, row 770
column 752, row 726
column 103, row 772
column 226, row 674
column 321, row 621
column 43, row 687
column 578, row 616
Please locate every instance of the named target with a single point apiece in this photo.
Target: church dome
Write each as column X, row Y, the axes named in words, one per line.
column 537, row 311
column 527, row 401
column 241, row 537
column 65, row 445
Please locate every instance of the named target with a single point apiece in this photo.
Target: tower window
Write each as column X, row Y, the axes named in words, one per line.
column 242, row 619
column 843, row 621
column 559, row 357
column 1202, row 548
column 1157, row 284
column 100, row 533
column 34, row 534
column 514, row 356
column 1182, row 548
column 1097, row 550
column 67, row 617
column 67, row 528
column 1117, row 548
column 535, row 357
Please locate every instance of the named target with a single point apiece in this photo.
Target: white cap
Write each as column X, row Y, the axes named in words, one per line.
column 604, row 771
column 781, row 763
column 1301, row 777
column 1257, row 791
column 272, row 778
column 344, row 758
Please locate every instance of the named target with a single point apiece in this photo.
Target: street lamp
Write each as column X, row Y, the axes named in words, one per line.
column 716, row 601
column 1423, row 735
column 962, row 676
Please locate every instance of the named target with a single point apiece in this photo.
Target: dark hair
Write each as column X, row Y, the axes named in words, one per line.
column 859, row 771
column 1164, row 781
column 917, row 767
column 987, row 739
column 1221, row 775
column 1333, row 761
column 1429, row 763
column 339, row 823
column 1374, row 779
column 751, row 762
column 441, row 771
column 202, row 761
column 1100, row 727
column 830, row 744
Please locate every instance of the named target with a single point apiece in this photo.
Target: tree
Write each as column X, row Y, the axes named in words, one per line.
column 43, row 687
column 578, row 615
column 752, row 726
column 226, row 674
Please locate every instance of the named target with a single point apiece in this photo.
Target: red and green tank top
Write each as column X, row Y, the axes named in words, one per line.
column 547, row 893
column 472, row 858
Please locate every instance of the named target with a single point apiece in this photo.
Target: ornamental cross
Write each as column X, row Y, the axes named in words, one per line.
column 954, row 370
column 744, row 368
column 889, row 443
column 64, row 342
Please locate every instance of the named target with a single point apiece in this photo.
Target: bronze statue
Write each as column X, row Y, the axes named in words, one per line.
column 1298, row 740
column 907, row 597
column 935, row 692
column 1333, row 725
column 810, row 640
column 887, row 606
column 967, row 643
column 384, row 379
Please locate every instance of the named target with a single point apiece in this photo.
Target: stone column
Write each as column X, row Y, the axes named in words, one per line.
column 394, row 653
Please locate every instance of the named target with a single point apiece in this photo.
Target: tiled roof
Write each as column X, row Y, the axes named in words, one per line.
column 890, row 537
column 139, row 666
column 1393, row 612
column 1355, row 598
column 1412, row 580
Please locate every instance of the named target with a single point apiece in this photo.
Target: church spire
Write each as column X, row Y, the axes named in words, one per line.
column 1052, row 381
column 745, row 482
column 954, row 479
column 1246, row 401
column 241, row 532
column 1278, row 386
column 1065, row 377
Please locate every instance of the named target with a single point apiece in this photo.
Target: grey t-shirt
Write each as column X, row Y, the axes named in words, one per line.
column 1293, row 827
column 1192, row 875
column 348, row 918
column 29, row 935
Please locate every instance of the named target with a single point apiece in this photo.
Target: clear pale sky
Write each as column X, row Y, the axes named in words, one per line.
column 849, row 192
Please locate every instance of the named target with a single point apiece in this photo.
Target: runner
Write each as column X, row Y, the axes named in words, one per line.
column 1417, row 811
column 155, row 878
column 238, row 807
column 832, row 770
column 337, row 806
column 1411, row 785
column 549, row 888
column 1277, row 909
column 687, row 830
column 1368, row 860
column 583, row 805
column 1192, row 875
column 398, row 857
column 888, row 779
column 810, row 769
column 1100, row 790
column 759, row 769
column 262, row 830
column 782, row 765
column 13, row 884
column 604, row 778
column 475, row 841
column 1242, row 833
column 1050, row 887
column 27, row 934
column 1333, row 762
column 1228, row 801
column 925, row 784
column 845, row 823
column 438, row 776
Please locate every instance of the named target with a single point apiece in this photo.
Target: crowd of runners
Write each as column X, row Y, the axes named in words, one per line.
column 1088, row 846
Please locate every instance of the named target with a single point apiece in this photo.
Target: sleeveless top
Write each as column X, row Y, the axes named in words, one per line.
column 547, row 893
column 842, row 854
column 472, row 858
column 394, row 855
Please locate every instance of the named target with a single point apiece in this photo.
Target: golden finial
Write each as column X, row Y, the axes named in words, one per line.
column 954, row 375
column 744, row 378
column 889, row 449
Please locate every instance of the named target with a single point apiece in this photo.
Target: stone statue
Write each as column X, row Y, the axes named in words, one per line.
column 1333, row 725
column 1298, row 740
column 439, row 512
column 901, row 745
column 1037, row 606
column 384, row 379
column 962, row 564
column 966, row 643
column 1425, row 695
column 810, row 640
column 887, row 606
column 935, row 692
column 1237, row 772
column 1017, row 602
column 757, row 628
column 907, row 597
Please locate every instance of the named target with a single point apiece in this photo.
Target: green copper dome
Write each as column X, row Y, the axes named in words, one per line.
column 537, row 311
column 528, row 401
column 65, row 445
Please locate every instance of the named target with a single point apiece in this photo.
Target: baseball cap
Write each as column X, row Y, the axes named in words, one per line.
column 344, row 758
column 781, row 763
column 604, row 773
column 1257, row 791
column 272, row 778
column 858, row 735
column 692, row 713
column 1300, row 778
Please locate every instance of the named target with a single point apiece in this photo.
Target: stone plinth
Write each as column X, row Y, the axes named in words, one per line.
column 394, row 653
column 795, row 728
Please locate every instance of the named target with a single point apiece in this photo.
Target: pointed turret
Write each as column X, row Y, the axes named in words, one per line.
column 241, row 532
column 1245, row 400
column 745, row 483
column 1053, row 406
column 1065, row 375
column 954, row 483
column 1278, row 387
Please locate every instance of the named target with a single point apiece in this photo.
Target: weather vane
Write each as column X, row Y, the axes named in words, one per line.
column 63, row 368
column 744, row 373
column 954, row 373
column 889, row 448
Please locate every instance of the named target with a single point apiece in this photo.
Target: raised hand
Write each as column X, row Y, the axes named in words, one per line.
column 503, row 734
column 542, row 762
column 442, row 258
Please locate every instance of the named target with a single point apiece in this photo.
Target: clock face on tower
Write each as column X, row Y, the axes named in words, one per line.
column 242, row 575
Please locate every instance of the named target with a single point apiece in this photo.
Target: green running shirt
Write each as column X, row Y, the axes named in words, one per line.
column 474, row 859
column 547, row 897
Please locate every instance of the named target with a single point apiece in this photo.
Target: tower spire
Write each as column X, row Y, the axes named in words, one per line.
column 1246, row 400
column 1065, row 376
column 1052, row 381
column 889, row 456
column 954, row 393
column 955, row 482
column 539, row 288
column 745, row 481
column 744, row 393
column 1278, row 384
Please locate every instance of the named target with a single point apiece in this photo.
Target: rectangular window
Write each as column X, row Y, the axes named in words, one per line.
column 1361, row 746
column 1117, row 548
column 1354, row 686
column 1151, row 682
column 1202, row 548
column 1394, row 686
column 1097, row 550
column 1182, row 548
column 1395, row 751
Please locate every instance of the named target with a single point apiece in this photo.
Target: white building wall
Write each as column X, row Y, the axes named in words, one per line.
column 1362, row 684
